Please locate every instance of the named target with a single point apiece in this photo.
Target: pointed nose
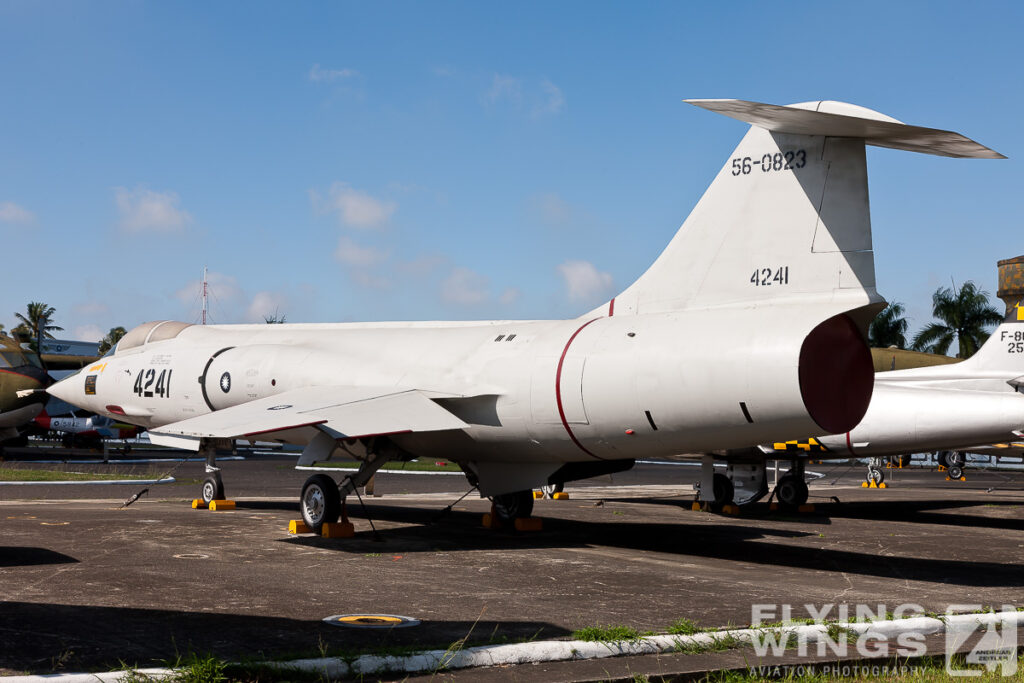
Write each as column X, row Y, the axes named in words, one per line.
column 69, row 389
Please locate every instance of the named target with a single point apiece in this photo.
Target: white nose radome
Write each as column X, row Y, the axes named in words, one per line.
column 69, row 389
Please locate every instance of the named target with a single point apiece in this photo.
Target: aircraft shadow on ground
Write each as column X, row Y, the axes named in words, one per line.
column 731, row 542
column 282, row 505
column 23, row 556
column 920, row 512
column 916, row 511
column 39, row 637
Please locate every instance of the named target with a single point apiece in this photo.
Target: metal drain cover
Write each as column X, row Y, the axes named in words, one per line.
column 371, row 621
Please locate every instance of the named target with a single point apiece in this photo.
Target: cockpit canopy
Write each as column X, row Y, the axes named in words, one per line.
column 146, row 333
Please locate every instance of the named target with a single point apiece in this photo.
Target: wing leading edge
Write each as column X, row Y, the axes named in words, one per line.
column 342, row 412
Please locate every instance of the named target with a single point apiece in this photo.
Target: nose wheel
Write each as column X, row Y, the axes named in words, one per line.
column 320, row 502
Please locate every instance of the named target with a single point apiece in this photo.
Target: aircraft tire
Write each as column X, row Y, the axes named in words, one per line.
column 791, row 491
column 213, row 489
column 551, row 489
column 723, row 489
column 512, row 506
column 876, row 475
column 902, row 460
column 955, row 471
column 320, row 502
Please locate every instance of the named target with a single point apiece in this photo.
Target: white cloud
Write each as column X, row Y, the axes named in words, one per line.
column 318, row 73
column 540, row 99
column 370, row 279
column 356, row 256
column 505, row 88
column 90, row 308
column 143, row 210
column 464, row 287
column 354, row 207
column 12, row 213
column 89, row 333
column 551, row 209
column 553, row 100
column 584, row 282
column 509, row 296
column 266, row 304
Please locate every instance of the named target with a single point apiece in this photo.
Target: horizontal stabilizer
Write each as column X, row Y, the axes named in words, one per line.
column 343, row 412
column 839, row 119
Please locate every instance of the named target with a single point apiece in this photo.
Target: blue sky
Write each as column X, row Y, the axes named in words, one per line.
column 373, row 161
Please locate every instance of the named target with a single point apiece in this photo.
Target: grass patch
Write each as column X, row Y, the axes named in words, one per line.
column 191, row 668
column 424, row 465
column 718, row 644
column 607, row 634
column 20, row 474
column 683, row 627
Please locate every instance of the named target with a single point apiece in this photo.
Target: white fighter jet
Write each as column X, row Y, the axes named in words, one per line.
column 944, row 407
column 949, row 407
column 750, row 327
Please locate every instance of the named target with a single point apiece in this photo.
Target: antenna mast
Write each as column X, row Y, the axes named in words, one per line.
column 205, row 292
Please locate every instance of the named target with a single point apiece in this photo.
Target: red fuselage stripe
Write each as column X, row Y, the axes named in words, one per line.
column 18, row 374
column 849, row 444
column 611, row 308
column 558, row 390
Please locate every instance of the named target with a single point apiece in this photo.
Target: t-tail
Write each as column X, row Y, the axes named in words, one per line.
column 787, row 219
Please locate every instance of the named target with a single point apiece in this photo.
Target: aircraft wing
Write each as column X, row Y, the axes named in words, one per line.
column 342, row 412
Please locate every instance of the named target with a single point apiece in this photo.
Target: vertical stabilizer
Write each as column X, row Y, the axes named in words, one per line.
column 787, row 218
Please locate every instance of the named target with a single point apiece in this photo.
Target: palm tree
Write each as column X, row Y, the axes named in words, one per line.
column 274, row 319
column 39, row 319
column 889, row 328
column 964, row 314
column 111, row 338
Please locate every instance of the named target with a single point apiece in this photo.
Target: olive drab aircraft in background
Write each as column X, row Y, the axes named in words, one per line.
column 749, row 328
column 23, row 382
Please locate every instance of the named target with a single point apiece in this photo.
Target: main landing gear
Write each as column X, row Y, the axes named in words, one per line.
column 213, row 488
column 745, row 483
column 953, row 461
column 876, row 471
column 512, row 506
column 791, row 490
column 322, row 499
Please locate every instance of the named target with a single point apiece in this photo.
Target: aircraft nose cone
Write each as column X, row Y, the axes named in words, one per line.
column 68, row 389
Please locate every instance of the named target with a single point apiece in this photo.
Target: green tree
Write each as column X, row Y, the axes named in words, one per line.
column 964, row 314
column 39, row 319
column 111, row 338
column 889, row 328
